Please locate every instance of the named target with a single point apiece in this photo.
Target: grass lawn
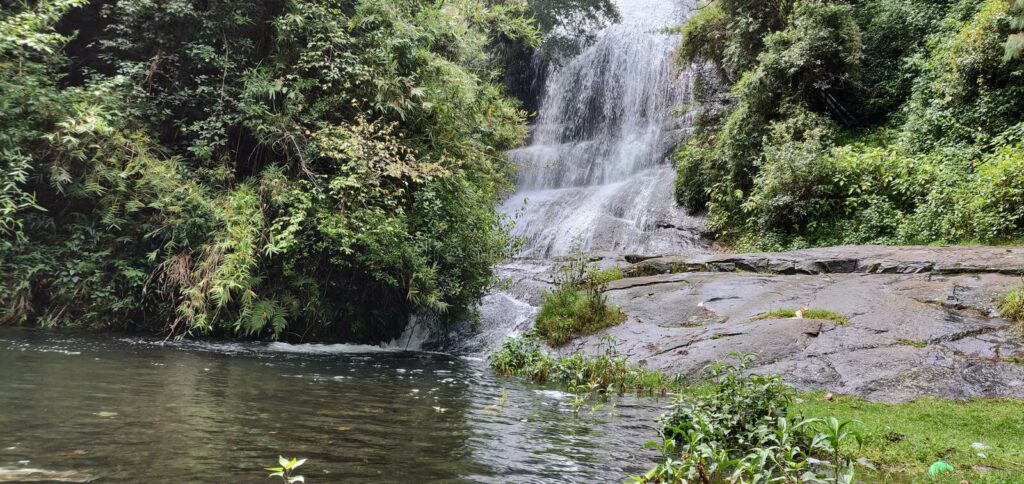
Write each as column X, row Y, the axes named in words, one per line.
column 904, row 440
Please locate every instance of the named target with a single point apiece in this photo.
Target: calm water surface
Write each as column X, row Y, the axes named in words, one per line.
column 141, row 410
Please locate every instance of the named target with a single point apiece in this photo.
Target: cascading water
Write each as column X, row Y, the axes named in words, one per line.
column 595, row 173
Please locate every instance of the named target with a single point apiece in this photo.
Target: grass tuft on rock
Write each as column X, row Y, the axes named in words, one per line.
column 912, row 342
column 1011, row 306
column 788, row 313
column 568, row 312
column 577, row 305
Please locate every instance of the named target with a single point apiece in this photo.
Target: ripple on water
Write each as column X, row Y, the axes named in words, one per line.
column 132, row 408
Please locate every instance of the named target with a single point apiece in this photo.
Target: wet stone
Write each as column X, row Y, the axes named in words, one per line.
column 922, row 320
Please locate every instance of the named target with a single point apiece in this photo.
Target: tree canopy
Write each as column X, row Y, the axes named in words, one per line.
column 284, row 168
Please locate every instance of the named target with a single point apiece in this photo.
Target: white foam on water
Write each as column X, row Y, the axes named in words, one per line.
column 418, row 331
column 322, row 349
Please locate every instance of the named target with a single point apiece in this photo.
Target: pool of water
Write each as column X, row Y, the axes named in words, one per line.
column 118, row 409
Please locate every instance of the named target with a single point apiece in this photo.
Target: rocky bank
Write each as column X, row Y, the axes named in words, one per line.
column 922, row 321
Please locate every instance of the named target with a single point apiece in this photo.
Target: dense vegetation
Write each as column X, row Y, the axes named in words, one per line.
column 736, row 425
column 740, row 430
column 285, row 168
column 873, row 121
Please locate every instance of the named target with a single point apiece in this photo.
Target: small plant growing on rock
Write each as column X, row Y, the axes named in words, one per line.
column 1011, row 306
column 912, row 342
column 804, row 313
column 577, row 304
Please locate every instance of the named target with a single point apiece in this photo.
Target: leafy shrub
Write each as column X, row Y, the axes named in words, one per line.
column 794, row 187
column 884, row 121
column 1015, row 42
column 577, row 305
column 521, row 356
column 257, row 169
column 739, row 431
column 972, row 200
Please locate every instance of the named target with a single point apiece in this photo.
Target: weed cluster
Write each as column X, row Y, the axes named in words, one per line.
column 577, row 304
column 740, row 431
column 822, row 314
column 604, row 374
column 1011, row 306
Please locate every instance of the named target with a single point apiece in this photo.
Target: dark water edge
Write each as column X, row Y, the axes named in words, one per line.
column 137, row 409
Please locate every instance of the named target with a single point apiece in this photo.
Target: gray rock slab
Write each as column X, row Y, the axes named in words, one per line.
column 873, row 259
column 910, row 334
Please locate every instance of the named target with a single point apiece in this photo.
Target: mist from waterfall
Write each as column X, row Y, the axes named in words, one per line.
column 595, row 172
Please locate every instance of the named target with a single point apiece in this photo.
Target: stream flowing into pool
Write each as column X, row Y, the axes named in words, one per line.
column 130, row 409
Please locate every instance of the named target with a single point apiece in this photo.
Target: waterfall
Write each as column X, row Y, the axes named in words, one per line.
column 595, row 172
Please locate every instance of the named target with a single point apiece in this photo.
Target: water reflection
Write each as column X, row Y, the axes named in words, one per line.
column 136, row 409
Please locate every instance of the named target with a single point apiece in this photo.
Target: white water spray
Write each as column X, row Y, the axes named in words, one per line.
column 595, row 173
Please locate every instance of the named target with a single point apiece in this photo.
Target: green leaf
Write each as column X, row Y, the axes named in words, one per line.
column 940, row 467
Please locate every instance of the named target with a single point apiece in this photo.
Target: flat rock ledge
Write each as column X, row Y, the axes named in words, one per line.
column 922, row 321
column 868, row 259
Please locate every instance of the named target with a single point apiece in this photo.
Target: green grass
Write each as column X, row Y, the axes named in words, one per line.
column 1011, row 306
column 912, row 342
column 903, row 440
column 608, row 275
column 569, row 311
column 787, row 313
column 607, row 373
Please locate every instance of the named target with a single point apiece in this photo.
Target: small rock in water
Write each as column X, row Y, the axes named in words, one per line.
column 344, row 428
column 106, row 414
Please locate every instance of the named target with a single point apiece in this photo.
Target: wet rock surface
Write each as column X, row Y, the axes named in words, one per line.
column 922, row 320
column 871, row 259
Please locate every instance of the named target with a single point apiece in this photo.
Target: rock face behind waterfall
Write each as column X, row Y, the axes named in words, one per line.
column 595, row 173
